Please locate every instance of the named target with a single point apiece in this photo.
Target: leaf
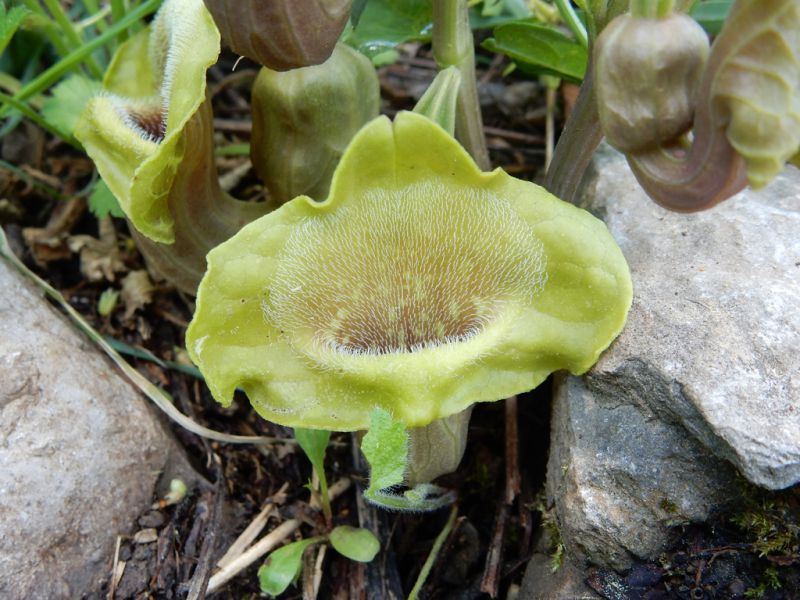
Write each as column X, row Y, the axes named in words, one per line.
column 314, row 442
column 539, row 49
column 355, row 543
column 711, row 14
column 386, row 449
column 356, row 10
column 283, row 566
column 10, row 22
column 103, row 203
column 383, row 24
column 63, row 107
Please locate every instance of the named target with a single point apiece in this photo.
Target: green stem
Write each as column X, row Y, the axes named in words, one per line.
column 453, row 47
column 117, row 13
column 71, row 35
column 577, row 143
column 54, row 73
column 573, row 22
column 437, row 546
column 324, row 496
column 652, row 9
column 50, row 30
column 36, row 118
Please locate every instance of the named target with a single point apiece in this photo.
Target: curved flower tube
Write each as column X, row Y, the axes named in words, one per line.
column 746, row 108
column 420, row 286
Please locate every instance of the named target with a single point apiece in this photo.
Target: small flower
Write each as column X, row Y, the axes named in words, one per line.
column 150, row 127
column 421, row 286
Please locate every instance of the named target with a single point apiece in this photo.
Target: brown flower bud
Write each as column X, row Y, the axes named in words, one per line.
column 281, row 34
column 648, row 73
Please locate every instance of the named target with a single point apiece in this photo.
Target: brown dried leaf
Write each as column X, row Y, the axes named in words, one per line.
column 137, row 292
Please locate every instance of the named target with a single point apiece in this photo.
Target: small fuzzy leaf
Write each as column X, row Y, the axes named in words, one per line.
column 386, row 449
column 283, row 566
column 540, row 49
column 63, row 108
column 103, row 203
column 313, row 442
column 355, row 543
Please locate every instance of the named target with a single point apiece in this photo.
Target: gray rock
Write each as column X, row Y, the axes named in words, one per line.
column 620, row 477
column 80, row 452
column 713, row 337
column 706, row 370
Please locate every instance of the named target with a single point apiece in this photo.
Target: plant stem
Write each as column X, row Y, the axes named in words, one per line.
column 324, row 496
column 577, row 143
column 652, row 9
column 437, row 546
column 453, row 46
column 117, row 13
column 573, row 22
column 36, row 118
column 54, row 73
column 73, row 39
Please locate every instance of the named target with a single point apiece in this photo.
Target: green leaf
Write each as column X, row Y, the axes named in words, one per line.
column 10, row 22
column 63, row 108
column 386, row 449
column 540, row 49
column 356, row 10
column 383, row 24
column 103, row 203
column 283, row 566
column 711, row 14
column 313, row 442
column 355, row 543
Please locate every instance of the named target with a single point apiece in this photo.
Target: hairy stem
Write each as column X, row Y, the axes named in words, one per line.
column 453, row 46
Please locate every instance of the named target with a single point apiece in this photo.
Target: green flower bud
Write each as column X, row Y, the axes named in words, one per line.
column 303, row 120
column 281, row 34
column 648, row 72
column 420, row 286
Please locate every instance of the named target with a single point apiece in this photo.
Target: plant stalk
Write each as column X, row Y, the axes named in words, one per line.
column 576, row 146
column 453, row 46
column 652, row 9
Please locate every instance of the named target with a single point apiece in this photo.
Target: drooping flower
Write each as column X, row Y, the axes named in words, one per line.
column 421, row 286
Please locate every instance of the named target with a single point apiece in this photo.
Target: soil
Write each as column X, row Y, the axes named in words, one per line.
column 43, row 208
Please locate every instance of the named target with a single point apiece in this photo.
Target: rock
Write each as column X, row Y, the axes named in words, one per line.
column 541, row 583
column 705, row 372
column 713, row 337
column 80, row 452
column 620, row 478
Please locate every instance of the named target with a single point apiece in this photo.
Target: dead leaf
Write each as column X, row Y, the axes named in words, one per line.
column 100, row 258
column 137, row 292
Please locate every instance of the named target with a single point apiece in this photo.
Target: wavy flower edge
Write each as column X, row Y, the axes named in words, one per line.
column 562, row 320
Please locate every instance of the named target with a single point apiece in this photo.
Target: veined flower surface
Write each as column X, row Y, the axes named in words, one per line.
column 421, row 285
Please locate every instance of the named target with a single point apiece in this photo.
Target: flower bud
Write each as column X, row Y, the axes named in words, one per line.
column 648, row 72
column 303, row 120
column 281, row 34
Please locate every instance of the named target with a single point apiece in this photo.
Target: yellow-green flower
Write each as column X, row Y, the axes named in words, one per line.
column 421, row 286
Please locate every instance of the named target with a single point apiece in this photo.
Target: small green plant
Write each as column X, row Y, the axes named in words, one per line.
column 283, row 566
